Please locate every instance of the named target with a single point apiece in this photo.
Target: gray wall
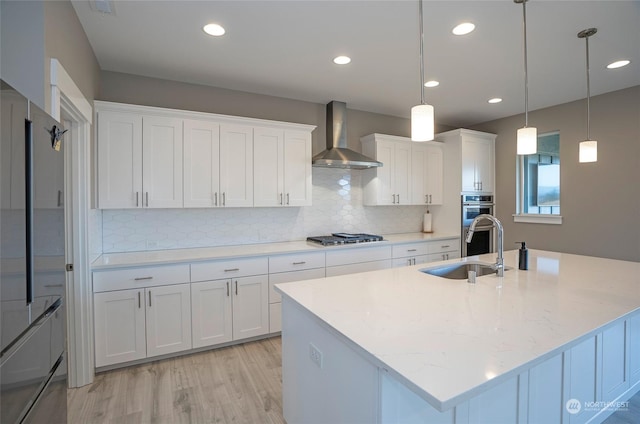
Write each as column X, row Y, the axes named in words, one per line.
column 600, row 202
column 22, row 48
column 134, row 89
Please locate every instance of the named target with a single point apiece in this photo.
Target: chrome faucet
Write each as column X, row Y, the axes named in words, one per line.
column 500, row 259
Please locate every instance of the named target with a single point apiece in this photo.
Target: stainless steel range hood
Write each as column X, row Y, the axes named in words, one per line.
column 337, row 154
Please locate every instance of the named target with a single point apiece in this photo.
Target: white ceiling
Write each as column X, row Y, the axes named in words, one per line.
column 285, row 49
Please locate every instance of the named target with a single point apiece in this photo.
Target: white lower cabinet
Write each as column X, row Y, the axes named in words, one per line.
column 140, row 323
column 361, row 259
column 275, row 305
column 230, row 309
column 416, row 253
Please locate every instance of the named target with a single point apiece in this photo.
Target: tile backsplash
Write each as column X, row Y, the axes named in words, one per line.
column 337, row 207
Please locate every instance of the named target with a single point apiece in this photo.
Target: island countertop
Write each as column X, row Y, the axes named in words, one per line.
column 448, row 340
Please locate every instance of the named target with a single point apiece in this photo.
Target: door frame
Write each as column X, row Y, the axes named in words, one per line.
column 67, row 100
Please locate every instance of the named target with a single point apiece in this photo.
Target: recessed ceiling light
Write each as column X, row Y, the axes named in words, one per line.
column 214, row 29
column 618, row 64
column 495, row 100
column 431, row 84
column 342, row 60
column 463, row 29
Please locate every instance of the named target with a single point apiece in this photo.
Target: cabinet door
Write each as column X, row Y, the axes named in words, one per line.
column 385, row 153
column 268, row 167
column 12, row 133
column 485, row 164
column 250, row 306
column 162, row 162
column 119, row 326
column 211, row 312
column 48, row 164
column 419, row 176
column 469, row 155
column 402, row 173
column 615, row 361
column 119, row 160
column 297, row 168
column 168, row 313
column 236, row 165
column 435, row 175
column 201, row 164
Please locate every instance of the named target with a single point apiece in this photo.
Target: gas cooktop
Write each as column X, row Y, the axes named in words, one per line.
column 344, row 238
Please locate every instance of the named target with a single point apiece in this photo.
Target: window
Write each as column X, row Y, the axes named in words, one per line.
column 539, row 183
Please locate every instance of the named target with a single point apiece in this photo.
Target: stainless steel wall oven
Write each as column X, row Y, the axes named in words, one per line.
column 472, row 206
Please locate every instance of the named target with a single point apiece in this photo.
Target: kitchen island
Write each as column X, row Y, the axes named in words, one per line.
column 556, row 343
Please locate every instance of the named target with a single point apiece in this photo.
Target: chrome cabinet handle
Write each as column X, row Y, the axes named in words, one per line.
column 430, row 199
column 281, row 198
column 236, row 287
column 287, row 198
column 142, row 278
column 224, row 199
column 227, row 289
column 299, row 263
column 398, row 198
column 444, row 246
column 139, row 301
column 232, row 270
column 394, row 199
column 149, row 298
column 137, row 199
column 147, row 196
column 215, row 197
column 426, row 198
column 59, row 198
column 54, row 285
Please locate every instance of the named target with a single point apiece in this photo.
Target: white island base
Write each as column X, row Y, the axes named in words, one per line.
column 328, row 377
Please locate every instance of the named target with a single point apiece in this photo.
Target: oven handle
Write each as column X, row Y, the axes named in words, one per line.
column 474, row 204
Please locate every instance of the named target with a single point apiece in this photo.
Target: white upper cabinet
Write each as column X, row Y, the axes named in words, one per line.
column 119, row 160
column 427, row 173
column 236, row 165
column 201, row 164
column 470, row 159
column 164, row 158
column 411, row 173
column 162, row 162
column 282, row 167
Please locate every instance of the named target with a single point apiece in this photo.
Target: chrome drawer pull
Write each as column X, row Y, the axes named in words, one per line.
column 444, row 246
column 232, row 270
column 299, row 263
column 142, row 278
column 411, row 250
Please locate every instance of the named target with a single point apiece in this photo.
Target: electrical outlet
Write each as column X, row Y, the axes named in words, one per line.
column 315, row 355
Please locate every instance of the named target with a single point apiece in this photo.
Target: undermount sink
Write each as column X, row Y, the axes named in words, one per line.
column 460, row 271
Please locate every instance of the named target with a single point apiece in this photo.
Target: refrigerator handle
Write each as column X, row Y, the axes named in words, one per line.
column 28, row 156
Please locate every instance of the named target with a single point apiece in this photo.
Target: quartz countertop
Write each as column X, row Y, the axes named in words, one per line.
column 155, row 257
column 448, row 340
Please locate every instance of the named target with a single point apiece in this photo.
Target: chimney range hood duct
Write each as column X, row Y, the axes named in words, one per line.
column 337, row 154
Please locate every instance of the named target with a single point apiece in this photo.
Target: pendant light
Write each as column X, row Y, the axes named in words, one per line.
column 588, row 148
column 527, row 143
column 422, row 127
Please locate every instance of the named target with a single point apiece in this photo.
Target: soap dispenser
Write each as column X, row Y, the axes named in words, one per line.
column 523, row 256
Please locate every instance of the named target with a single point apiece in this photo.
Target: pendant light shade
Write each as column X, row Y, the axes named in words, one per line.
column 422, row 123
column 527, row 141
column 527, row 137
column 422, row 116
column 588, row 148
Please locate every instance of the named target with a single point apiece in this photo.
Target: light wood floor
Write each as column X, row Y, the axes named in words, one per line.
column 237, row 384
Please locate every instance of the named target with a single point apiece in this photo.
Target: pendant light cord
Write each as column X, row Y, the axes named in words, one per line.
column 526, row 77
column 588, row 93
column 422, row 101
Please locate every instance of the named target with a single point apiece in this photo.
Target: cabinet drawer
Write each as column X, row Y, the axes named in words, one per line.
column 287, row 277
column 412, row 249
column 448, row 245
column 296, row 262
column 357, row 255
column 359, row 267
column 409, row 261
column 216, row 270
column 133, row 278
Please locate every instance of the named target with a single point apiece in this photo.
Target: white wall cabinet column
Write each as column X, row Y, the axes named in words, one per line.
column 119, row 143
column 427, row 165
column 162, row 162
column 168, row 317
column 389, row 184
column 282, row 167
column 201, row 164
column 236, row 165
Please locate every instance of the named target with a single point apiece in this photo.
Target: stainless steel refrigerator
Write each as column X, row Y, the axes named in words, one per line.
column 33, row 366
